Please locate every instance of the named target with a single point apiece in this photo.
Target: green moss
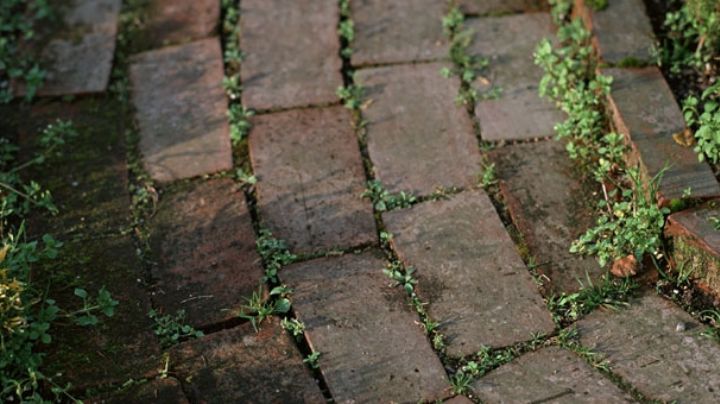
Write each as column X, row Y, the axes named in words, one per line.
column 701, row 265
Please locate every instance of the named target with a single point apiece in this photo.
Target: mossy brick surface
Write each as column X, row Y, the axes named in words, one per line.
column 397, row 31
column 371, row 343
column 696, row 244
column 508, row 42
column 551, row 207
column 157, row 391
column 645, row 347
column 173, row 22
column 500, row 7
column 203, row 247
column 469, row 272
column 78, row 54
column 310, row 179
column 291, row 53
column 238, row 365
column 418, row 138
column 645, row 111
column 118, row 348
column 88, row 180
column 622, row 32
column 181, row 136
column 549, row 375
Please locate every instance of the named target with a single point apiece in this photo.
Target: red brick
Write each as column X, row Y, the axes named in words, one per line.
column 239, row 366
column 418, row 138
column 371, row 347
column 551, row 207
column 182, row 110
column 645, row 348
column 172, row 21
column 158, row 391
column 206, row 261
column 696, row 244
column 310, row 179
column 120, row 347
column 458, row 400
column 645, row 110
column 509, row 42
column 398, row 31
column 291, row 52
column 548, row 375
column 498, row 7
column 78, row 58
column 621, row 32
column 88, row 181
column 469, row 272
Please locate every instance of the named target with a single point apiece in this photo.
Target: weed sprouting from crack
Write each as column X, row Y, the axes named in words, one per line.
column 259, row 306
column 383, row 200
column 274, row 253
column 172, row 329
column 610, row 293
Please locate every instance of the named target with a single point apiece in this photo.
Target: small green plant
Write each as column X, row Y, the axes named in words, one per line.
column 312, row 360
column 713, row 317
column 489, row 176
column 230, row 28
column 609, row 293
column 569, row 338
column 171, row 329
column 346, row 28
column 486, row 360
column 351, row 96
column 597, row 5
column 294, row 326
column 103, row 303
column 560, row 10
column 703, row 114
column 401, row 275
column 244, row 177
column 384, row 201
column 259, row 307
column 240, row 125
column 274, row 253
column 693, row 38
column 715, row 221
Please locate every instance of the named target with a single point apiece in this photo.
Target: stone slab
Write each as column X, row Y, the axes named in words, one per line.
column 91, row 189
column 291, row 50
column 645, row 110
column 205, row 257
column 509, row 42
column 173, row 22
column 500, row 7
column 418, row 138
column 181, row 110
column 372, row 347
column 238, row 365
column 551, row 208
column 696, row 244
column 622, row 32
column 548, row 375
column 470, row 273
column 78, row 53
column 458, row 400
column 310, row 179
column 643, row 346
column 398, row 31
column 158, row 391
column 119, row 348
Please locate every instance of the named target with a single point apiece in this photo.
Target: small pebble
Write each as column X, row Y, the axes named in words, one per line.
column 680, row 327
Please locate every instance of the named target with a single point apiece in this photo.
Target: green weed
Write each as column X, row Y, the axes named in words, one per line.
column 609, row 293
column 351, row 96
column 383, row 200
column 171, row 329
column 703, row 114
column 295, row 327
column 312, row 360
column 274, row 253
column 259, row 307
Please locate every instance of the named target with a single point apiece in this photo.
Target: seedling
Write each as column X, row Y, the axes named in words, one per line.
column 171, row 329
column 274, row 253
column 383, row 200
column 612, row 294
column 294, row 326
column 489, row 177
column 351, row 96
column 312, row 360
column 259, row 308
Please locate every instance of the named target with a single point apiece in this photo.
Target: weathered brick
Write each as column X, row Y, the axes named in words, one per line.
column 78, row 58
column 499, row 7
column 181, row 137
column 173, row 22
column 469, row 272
column 240, row 366
column 158, row 391
column 509, row 42
column 120, row 347
column 90, row 188
column 548, row 375
column 644, row 345
column 206, row 261
column 418, row 138
column 310, row 179
column 645, row 110
column 291, row 50
column 372, row 348
column 696, row 244
column 622, row 33
column 398, row 31
column 551, row 207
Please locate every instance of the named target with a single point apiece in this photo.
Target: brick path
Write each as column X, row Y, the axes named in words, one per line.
column 485, row 260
